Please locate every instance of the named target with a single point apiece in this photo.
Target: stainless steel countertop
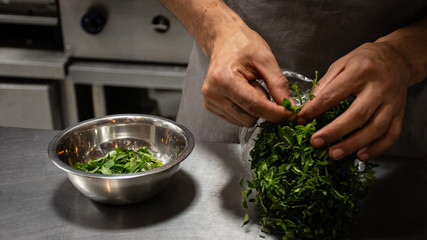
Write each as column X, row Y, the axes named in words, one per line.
column 203, row 201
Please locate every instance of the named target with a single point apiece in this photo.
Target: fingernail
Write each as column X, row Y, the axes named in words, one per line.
column 363, row 155
column 337, row 153
column 318, row 142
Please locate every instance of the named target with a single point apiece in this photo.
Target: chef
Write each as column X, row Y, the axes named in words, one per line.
column 375, row 51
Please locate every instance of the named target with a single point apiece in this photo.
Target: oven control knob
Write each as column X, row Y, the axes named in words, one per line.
column 160, row 24
column 94, row 21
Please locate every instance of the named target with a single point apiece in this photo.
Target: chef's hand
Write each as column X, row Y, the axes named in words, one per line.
column 378, row 74
column 238, row 56
column 376, row 114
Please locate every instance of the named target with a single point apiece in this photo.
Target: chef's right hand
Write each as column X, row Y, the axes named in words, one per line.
column 238, row 58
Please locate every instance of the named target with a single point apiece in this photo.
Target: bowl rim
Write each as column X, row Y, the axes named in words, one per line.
column 70, row 170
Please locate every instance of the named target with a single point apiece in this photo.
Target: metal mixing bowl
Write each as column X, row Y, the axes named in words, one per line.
column 166, row 139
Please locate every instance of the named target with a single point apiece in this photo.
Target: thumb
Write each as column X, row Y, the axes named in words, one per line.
column 277, row 85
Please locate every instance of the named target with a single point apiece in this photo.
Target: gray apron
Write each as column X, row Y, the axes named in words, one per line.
column 309, row 35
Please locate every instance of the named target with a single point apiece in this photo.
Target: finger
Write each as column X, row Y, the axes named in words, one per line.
column 264, row 108
column 260, row 88
column 209, row 106
column 217, row 91
column 373, row 130
column 357, row 115
column 334, row 70
column 227, row 117
column 257, row 104
column 219, row 104
column 274, row 79
column 229, row 111
column 331, row 91
column 278, row 86
column 378, row 147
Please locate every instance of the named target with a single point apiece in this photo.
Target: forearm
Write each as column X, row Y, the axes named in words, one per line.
column 205, row 20
column 410, row 43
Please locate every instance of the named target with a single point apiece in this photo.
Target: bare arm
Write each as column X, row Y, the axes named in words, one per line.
column 205, row 20
column 378, row 74
column 238, row 56
column 411, row 44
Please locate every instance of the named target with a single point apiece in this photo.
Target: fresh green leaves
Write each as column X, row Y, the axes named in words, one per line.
column 245, row 220
column 120, row 161
column 288, row 105
column 299, row 97
column 302, row 192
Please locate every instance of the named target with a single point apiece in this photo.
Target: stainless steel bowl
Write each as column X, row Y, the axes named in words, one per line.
column 166, row 139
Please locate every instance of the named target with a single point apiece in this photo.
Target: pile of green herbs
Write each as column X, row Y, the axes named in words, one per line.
column 302, row 192
column 121, row 161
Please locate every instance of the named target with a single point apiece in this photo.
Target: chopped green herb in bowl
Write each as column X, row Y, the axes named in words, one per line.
column 129, row 172
column 121, row 161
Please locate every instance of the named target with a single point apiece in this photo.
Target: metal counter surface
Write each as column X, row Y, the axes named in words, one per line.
column 37, row 201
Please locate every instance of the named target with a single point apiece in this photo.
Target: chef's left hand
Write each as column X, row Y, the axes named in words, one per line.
column 379, row 78
column 378, row 74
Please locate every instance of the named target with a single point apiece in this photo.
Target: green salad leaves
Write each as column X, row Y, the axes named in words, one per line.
column 120, row 161
column 303, row 193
